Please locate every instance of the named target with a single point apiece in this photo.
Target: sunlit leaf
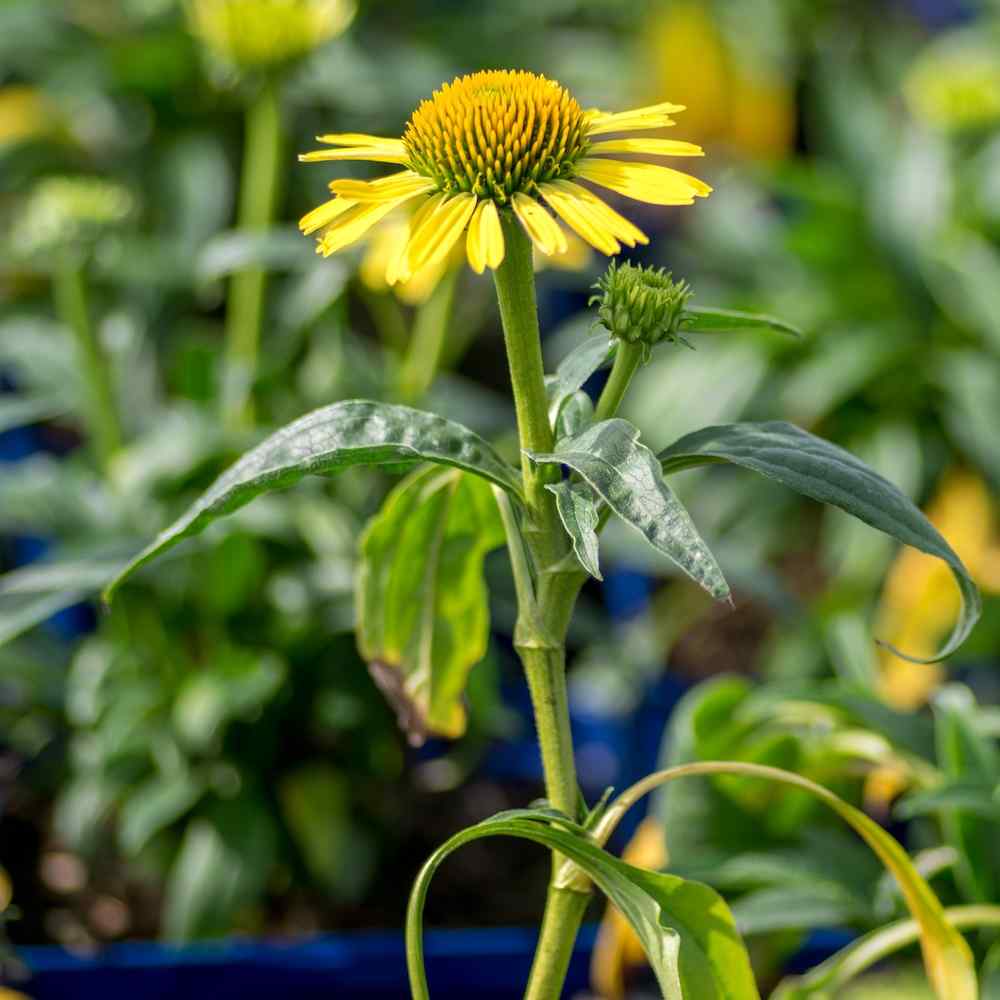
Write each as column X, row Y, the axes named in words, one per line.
column 823, row 471
column 685, row 927
column 705, row 319
column 423, row 609
column 354, row 432
column 626, row 474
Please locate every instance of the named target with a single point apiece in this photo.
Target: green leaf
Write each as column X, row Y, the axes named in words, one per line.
column 278, row 249
column 959, row 797
column 685, row 927
column 223, row 864
column 575, row 369
column 626, row 475
column 576, row 415
column 578, row 512
column 30, row 595
column 20, row 411
column 796, row 907
column 947, row 957
column 824, row 472
column 354, row 432
column 968, row 757
column 827, row 979
column 704, row 319
column 154, row 805
column 423, row 608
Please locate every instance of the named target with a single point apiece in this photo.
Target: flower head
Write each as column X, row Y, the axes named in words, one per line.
column 501, row 141
column 641, row 305
column 254, row 34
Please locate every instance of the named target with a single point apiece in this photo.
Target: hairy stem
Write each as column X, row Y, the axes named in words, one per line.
column 245, row 307
column 70, row 292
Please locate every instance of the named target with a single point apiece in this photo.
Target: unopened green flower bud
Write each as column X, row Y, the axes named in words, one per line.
column 640, row 305
column 258, row 34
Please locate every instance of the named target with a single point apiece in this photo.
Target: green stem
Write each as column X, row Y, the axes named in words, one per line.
column 258, row 197
column 540, row 646
column 430, row 332
column 628, row 358
column 70, row 292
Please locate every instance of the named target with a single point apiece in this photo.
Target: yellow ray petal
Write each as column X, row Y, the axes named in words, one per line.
column 650, row 147
column 643, row 181
column 324, row 214
column 437, row 233
column 485, row 244
column 383, row 189
column 578, row 216
column 616, row 224
column 638, row 119
column 353, row 224
column 397, row 269
column 359, row 139
column 376, row 154
column 539, row 225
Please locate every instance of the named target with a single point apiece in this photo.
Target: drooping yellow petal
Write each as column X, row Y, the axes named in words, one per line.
column 383, row 189
column 485, row 243
column 359, row 139
column 354, row 223
column 644, row 181
column 324, row 214
column 539, row 225
column 649, row 147
column 438, row 231
column 397, row 269
column 375, row 154
column 636, row 120
column 616, row 224
column 578, row 216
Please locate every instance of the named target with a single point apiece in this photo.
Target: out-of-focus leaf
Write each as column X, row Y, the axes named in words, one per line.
column 575, row 369
column 354, row 432
column 82, row 807
column 154, row 805
column 704, row 319
column 20, row 411
column 30, row 595
column 237, row 684
column 222, row 865
column 966, row 756
column 423, row 609
column 626, row 475
column 801, row 907
column 823, row 471
column 685, row 927
column 578, row 512
column 38, row 355
column 828, row 979
column 978, row 800
column 576, row 415
column 275, row 249
column 315, row 801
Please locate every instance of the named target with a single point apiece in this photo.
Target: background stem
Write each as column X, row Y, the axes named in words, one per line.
column 245, row 306
column 430, row 331
column 70, row 290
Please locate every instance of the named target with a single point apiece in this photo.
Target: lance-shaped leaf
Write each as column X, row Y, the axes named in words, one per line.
column 34, row 593
column 423, row 609
column 577, row 509
column 685, row 927
column 576, row 368
column 704, row 319
column 627, row 476
column 354, row 432
column 823, row 471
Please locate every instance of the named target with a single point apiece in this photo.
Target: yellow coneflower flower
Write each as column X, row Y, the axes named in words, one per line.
column 501, row 141
column 254, row 34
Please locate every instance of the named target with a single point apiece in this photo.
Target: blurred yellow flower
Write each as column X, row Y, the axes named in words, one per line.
column 617, row 948
column 920, row 601
column 955, row 82
column 734, row 99
column 253, row 34
column 25, row 113
column 501, row 141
